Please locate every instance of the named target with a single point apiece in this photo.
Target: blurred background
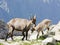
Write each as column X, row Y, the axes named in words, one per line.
column 25, row 8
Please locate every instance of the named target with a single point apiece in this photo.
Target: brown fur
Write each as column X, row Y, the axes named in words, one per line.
column 42, row 25
column 20, row 25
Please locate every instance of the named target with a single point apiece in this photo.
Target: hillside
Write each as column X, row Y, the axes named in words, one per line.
column 51, row 37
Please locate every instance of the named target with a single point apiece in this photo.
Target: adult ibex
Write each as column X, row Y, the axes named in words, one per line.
column 22, row 25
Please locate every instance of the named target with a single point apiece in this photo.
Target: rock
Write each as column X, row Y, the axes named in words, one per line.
column 57, row 37
column 53, row 35
column 56, row 28
column 55, row 31
column 17, row 33
column 3, row 29
column 48, row 40
column 33, row 35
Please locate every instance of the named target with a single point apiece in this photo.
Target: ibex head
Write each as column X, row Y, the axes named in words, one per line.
column 33, row 18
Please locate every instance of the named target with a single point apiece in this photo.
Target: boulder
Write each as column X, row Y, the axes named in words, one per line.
column 33, row 36
column 3, row 29
column 17, row 33
column 48, row 40
column 56, row 29
column 57, row 37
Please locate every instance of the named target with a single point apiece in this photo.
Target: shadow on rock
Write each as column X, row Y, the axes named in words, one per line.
column 3, row 29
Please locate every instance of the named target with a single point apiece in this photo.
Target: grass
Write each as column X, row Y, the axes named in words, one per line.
column 42, row 37
column 58, row 43
column 1, row 44
column 50, row 44
column 25, row 43
column 32, row 42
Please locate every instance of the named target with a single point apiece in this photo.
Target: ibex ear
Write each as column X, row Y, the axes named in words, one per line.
column 35, row 16
column 32, row 17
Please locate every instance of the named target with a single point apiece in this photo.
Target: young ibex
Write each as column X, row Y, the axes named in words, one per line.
column 41, row 26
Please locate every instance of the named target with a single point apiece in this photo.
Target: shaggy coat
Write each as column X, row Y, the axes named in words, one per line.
column 42, row 25
column 20, row 25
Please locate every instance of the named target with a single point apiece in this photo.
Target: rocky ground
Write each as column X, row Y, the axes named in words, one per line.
column 18, row 41
column 51, row 37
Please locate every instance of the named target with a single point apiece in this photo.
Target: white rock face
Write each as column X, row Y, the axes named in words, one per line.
column 52, row 39
column 33, row 35
column 53, row 28
column 29, row 33
column 56, row 28
column 57, row 37
column 48, row 40
column 3, row 42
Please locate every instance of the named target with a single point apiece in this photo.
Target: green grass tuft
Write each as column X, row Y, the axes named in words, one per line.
column 1, row 44
column 58, row 43
column 42, row 37
column 25, row 43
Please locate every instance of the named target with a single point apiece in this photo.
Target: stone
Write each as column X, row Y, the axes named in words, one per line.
column 3, row 29
column 48, row 40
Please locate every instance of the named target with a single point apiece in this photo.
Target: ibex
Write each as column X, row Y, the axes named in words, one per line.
column 20, row 24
